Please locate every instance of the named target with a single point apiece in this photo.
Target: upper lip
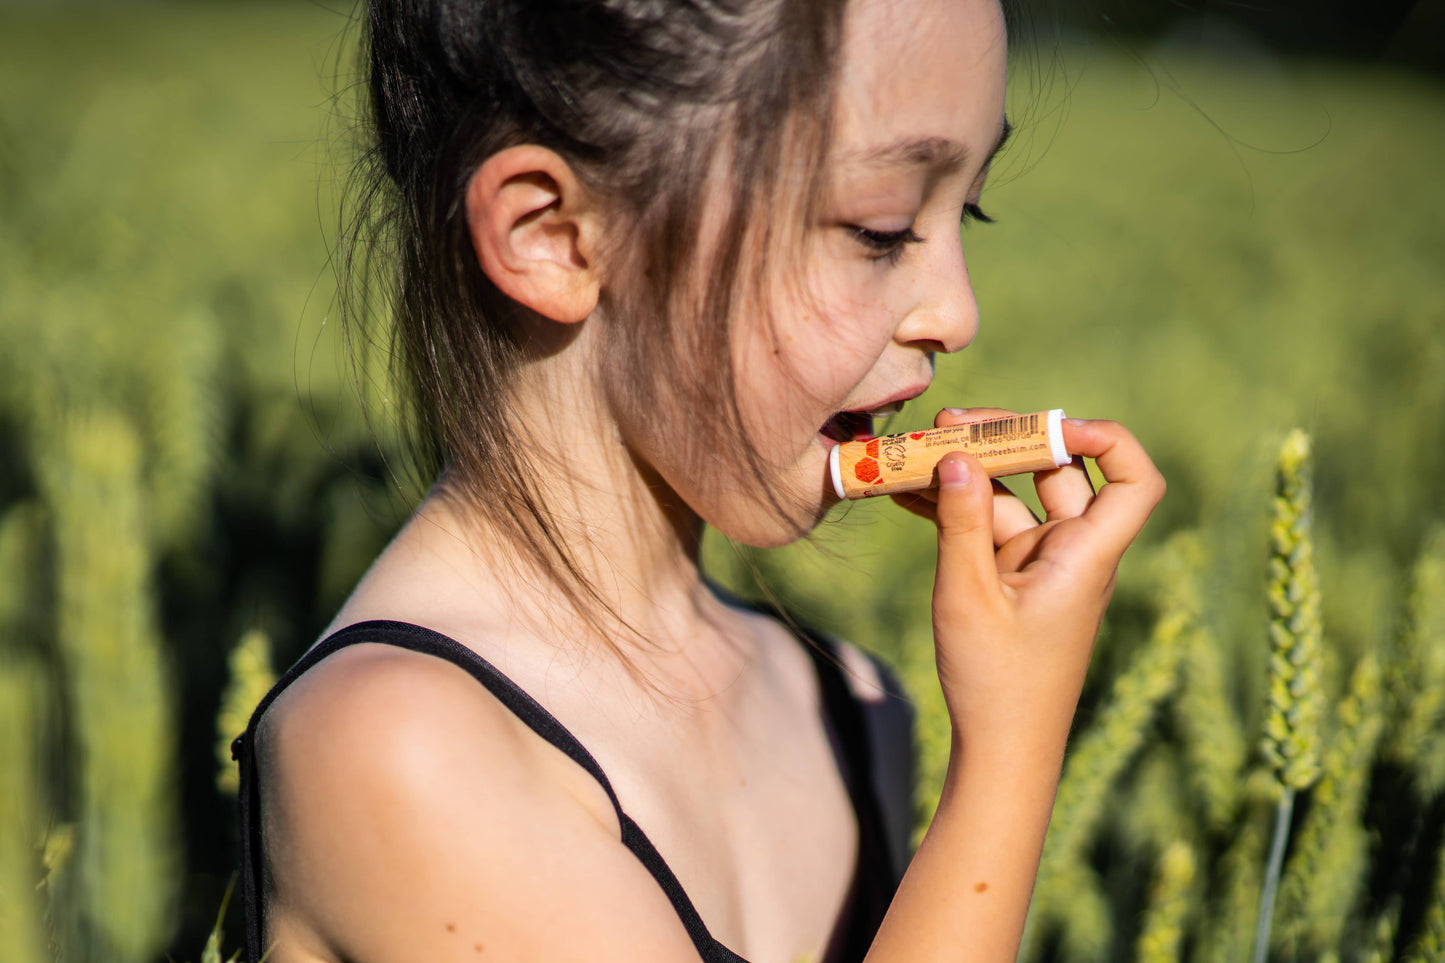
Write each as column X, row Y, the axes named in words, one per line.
column 907, row 394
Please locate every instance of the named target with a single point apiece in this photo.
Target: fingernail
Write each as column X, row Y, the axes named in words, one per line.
column 954, row 411
column 953, row 473
column 1076, row 422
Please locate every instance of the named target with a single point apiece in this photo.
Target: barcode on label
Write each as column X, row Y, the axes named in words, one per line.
column 1004, row 429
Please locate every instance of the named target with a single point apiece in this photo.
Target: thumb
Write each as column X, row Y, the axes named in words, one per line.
column 965, row 525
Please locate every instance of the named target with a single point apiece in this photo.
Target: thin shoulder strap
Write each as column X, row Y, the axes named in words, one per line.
column 418, row 639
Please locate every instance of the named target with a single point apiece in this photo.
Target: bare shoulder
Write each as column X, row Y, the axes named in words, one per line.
column 409, row 815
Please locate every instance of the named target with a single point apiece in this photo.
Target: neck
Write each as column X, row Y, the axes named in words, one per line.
column 632, row 540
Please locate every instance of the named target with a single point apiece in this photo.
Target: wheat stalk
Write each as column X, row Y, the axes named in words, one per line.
column 1102, row 753
column 1326, row 869
column 1153, row 816
column 1417, row 684
column 1075, row 906
column 23, row 721
column 1168, row 910
column 1226, row 938
column 1296, row 698
column 1108, row 746
column 251, row 677
column 21, row 807
column 181, row 416
column 120, row 706
column 1212, row 741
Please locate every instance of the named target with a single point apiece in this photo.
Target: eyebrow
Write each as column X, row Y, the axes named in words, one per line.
column 938, row 153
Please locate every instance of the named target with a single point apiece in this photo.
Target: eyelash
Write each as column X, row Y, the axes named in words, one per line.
column 889, row 245
column 972, row 212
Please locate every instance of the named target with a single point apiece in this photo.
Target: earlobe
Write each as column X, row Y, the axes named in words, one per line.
column 535, row 229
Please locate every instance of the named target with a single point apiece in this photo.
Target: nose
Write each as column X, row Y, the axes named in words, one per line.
column 944, row 314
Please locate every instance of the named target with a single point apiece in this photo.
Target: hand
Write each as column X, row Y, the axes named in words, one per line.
column 1017, row 601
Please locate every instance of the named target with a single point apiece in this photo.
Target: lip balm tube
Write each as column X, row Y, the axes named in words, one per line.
column 1007, row 445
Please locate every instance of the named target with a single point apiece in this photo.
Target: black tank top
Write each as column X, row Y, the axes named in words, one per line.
column 872, row 743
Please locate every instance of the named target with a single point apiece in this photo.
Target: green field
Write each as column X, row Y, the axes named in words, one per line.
column 1212, row 249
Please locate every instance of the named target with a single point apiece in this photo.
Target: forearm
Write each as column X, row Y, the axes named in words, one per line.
column 966, row 893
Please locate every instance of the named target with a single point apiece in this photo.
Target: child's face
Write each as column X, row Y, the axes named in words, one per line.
column 881, row 284
column 920, row 112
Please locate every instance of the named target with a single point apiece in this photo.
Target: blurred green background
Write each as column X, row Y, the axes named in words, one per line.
column 1198, row 235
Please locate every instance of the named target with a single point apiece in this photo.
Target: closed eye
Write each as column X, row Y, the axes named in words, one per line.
column 886, row 244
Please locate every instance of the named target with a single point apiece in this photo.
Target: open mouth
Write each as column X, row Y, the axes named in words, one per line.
column 855, row 425
column 848, row 426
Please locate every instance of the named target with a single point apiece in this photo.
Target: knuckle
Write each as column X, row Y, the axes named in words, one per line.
column 955, row 528
column 1161, row 486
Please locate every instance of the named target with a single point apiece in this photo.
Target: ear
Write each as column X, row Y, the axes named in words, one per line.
column 536, row 231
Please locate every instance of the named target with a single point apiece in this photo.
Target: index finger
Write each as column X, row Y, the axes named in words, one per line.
column 1133, row 485
column 948, row 417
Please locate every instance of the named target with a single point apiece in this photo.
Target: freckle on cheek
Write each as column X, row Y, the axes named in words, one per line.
column 980, row 887
column 451, row 927
column 476, row 947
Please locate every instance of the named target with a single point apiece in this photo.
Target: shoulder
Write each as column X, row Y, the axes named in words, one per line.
column 371, row 696
column 407, row 814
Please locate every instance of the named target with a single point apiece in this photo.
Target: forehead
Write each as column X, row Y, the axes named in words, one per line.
column 920, row 70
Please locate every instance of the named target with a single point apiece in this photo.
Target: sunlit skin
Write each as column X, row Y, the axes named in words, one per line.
column 410, row 817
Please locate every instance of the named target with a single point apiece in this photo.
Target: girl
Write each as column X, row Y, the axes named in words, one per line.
column 651, row 261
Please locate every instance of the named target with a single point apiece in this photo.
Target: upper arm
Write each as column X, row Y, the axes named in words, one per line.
column 409, row 816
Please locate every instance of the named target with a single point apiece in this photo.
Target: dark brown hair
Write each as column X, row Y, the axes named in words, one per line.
column 647, row 100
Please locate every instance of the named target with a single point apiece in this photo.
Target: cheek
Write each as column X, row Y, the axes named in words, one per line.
column 796, row 369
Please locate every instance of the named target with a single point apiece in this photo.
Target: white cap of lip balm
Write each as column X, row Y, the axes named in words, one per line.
column 836, row 472
column 1060, row 454
column 1057, row 451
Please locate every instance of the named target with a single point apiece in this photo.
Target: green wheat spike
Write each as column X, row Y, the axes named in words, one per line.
column 181, row 418
column 1073, row 904
column 1086, row 925
column 1213, row 743
column 22, row 938
column 1169, row 904
column 1296, row 696
column 1429, row 946
column 24, row 721
column 1327, row 867
column 124, row 866
column 1103, row 752
column 251, row 677
column 1417, row 682
column 1153, row 815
